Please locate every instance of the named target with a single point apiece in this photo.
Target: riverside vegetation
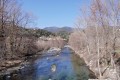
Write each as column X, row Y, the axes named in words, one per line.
column 18, row 42
column 95, row 39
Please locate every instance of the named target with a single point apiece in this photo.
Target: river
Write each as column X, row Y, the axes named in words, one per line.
column 63, row 66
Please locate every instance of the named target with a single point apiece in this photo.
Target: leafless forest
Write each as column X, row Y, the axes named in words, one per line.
column 97, row 37
column 16, row 40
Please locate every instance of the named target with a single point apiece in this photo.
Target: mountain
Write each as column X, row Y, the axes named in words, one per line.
column 52, row 29
column 58, row 29
column 34, row 32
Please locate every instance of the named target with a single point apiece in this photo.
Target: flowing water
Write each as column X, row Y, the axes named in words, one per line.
column 65, row 66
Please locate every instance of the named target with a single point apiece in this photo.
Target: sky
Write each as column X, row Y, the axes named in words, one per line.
column 54, row 12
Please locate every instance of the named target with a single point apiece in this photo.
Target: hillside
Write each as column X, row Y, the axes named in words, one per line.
column 35, row 32
column 58, row 29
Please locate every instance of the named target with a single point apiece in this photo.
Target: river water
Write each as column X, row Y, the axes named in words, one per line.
column 65, row 66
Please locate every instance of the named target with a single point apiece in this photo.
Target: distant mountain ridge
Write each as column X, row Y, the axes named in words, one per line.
column 58, row 29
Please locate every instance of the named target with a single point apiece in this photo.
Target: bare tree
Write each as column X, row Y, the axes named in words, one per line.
column 101, row 29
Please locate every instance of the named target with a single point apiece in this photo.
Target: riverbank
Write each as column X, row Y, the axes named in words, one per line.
column 108, row 72
column 9, row 68
column 83, row 62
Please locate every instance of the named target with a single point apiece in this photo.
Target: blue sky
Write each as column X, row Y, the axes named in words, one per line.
column 54, row 12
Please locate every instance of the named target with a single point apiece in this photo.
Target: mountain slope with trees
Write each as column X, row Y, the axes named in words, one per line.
column 57, row 29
